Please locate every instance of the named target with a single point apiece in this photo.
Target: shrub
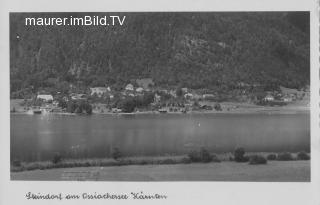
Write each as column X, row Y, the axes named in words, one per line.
column 257, row 159
column 200, row 156
column 194, row 156
column 215, row 158
column 205, row 155
column 108, row 163
column 303, row 156
column 16, row 163
column 167, row 161
column 186, row 160
column 245, row 159
column 42, row 167
column 32, row 166
column 122, row 162
column 285, row 156
column 217, row 107
column 142, row 162
column 271, row 157
column 239, row 155
column 16, row 169
column 56, row 158
column 116, row 154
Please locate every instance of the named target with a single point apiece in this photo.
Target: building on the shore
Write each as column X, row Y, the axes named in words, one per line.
column 45, row 98
column 196, row 96
column 165, row 91
column 99, row 91
column 208, row 96
column 173, row 93
column 157, row 98
column 294, row 93
column 162, row 110
column 116, row 110
column 287, row 99
column 268, row 98
column 243, row 85
column 206, row 107
column 139, row 90
column 184, row 90
column 55, row 103
column 76, row 96
column 188, row 96
column 129, row 87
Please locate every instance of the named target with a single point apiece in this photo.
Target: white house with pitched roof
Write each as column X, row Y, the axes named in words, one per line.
column 129, row 87
column 99, row 91
column 45, row 98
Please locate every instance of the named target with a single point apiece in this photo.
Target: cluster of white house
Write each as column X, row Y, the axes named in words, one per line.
column 286, row 94
column 45, row 97
column 284, row 98
column 129, row 90
column 146, row 84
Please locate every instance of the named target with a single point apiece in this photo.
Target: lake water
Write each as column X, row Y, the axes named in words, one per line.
column 38, row 137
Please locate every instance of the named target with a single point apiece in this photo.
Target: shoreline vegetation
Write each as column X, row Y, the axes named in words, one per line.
column 196, row 156
column 227, row 108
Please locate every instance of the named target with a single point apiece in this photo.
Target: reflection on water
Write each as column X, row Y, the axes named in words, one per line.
column 38, row 137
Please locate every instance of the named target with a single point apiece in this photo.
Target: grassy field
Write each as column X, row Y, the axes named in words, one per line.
column 137, row 160
column 273, row 171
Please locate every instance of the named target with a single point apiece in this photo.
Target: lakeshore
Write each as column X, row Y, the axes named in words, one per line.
column 273, row 171
column 227, row 107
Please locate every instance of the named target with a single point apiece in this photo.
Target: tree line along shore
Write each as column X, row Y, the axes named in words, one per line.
column 195, row 156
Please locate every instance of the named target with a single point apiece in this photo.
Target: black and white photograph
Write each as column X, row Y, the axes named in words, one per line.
column 160, row 96
column 160, row 102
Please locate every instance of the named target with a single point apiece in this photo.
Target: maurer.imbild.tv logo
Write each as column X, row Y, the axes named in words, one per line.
column 76, row 21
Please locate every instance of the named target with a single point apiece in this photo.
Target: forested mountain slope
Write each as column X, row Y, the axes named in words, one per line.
column 195, row 50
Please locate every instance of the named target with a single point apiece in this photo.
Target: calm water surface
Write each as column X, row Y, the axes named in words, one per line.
column 38, row 137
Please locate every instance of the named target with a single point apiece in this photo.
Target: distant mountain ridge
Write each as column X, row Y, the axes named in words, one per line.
column 196, row 50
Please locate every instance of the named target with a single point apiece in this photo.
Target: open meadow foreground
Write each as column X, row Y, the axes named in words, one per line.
column 275, row 171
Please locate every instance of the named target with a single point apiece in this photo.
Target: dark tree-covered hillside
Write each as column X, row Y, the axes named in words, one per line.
column 195, row 50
